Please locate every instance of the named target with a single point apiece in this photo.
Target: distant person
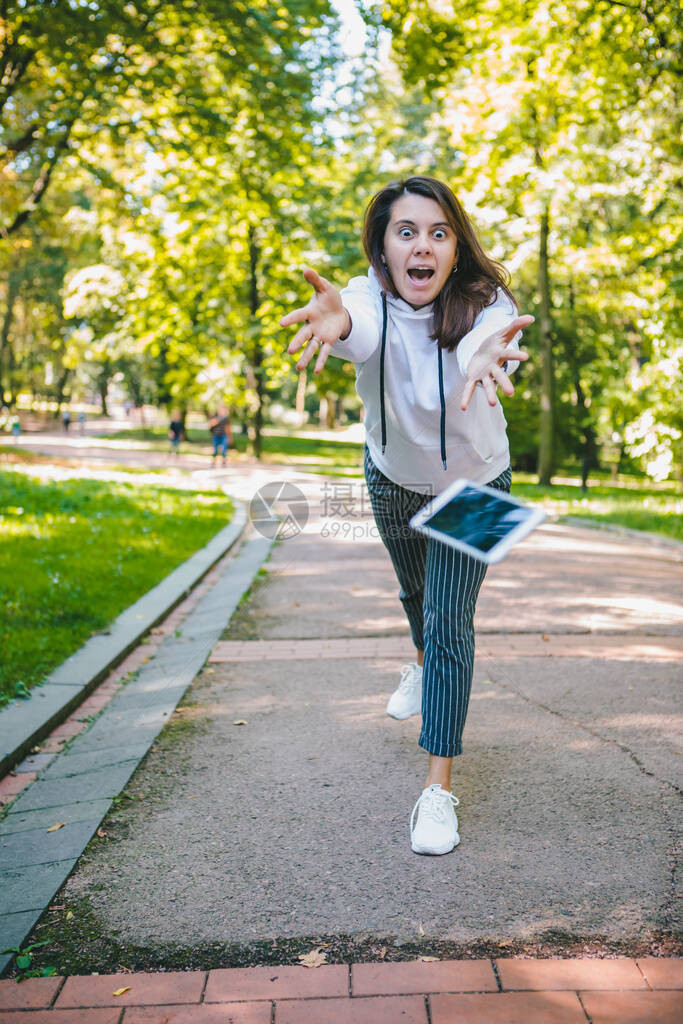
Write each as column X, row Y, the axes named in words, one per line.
column 81, row 422
column 176, row 431
column 128, row 407
column 221, row 433
column 16, row 428
column 66, row 420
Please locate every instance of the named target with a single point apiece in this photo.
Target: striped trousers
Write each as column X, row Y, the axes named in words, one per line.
column 439, row 586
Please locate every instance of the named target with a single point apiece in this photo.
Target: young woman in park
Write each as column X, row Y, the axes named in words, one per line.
column 433, row 332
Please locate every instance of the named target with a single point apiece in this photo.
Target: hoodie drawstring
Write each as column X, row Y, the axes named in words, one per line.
column 443, row 408
column 382, row 410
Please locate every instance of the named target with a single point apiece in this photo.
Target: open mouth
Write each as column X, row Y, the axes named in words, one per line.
column 420, row 273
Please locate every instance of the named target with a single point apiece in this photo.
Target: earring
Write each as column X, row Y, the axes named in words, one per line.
column 455, row 267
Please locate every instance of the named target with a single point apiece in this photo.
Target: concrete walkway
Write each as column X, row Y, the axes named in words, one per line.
column 568, row 784
column 279, row 812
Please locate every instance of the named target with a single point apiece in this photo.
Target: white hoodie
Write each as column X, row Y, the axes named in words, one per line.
column 475, row 440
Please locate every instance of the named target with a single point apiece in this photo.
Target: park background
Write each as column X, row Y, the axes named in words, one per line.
column 167, row 169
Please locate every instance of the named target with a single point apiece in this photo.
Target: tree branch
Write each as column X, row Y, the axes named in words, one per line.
column 9, row 82
column 24, row 141
column 40, row 185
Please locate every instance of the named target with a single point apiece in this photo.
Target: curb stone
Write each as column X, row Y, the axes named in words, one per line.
column 90, row 773
column 25, row 723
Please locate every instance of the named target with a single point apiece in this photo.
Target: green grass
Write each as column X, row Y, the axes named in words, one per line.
column 75, row 554
column 634, row 503
column 282, row 449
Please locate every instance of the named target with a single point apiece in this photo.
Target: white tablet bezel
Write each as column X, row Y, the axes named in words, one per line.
column 499, row 550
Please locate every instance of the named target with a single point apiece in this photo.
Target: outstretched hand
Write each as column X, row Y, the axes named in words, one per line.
column 324, row 321
column 486, row 365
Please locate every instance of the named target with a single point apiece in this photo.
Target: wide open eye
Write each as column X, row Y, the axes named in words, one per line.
column 405, row 233
column 440, row 235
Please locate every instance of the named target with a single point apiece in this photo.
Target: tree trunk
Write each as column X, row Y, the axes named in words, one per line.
column 257, row 361
column 12, row 293
column 60, row 389
column 546, row 454
column 589, row 444
column 332, row 411
column 300, row 404
column 103, row 385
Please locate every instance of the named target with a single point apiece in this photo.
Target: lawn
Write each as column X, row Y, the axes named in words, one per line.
column 630, row 501
column 282, row 449
column 76, row 553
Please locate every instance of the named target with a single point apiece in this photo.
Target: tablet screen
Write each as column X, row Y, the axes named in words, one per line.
column 478, row 518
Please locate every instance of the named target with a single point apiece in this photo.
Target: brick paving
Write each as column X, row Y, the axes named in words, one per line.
column 501, row 645
column 505, row 991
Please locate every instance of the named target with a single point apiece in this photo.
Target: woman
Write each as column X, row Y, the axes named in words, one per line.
column 432, row 331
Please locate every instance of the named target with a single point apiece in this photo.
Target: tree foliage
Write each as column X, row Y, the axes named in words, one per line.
column 561, row 117
column 167, row 169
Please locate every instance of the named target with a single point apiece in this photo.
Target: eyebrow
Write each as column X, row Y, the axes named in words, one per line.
column 412, row 224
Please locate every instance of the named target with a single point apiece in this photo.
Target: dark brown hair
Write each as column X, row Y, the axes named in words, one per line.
column 469, row 289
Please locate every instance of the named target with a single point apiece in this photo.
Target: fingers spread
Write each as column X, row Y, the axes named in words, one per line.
column 500, row 377
column 515, row 354
column 300, row 338
column 314, row 279
column 322, row 358
column 490, row 390
column 466, row 397
column 295, row 317
column 308, row 353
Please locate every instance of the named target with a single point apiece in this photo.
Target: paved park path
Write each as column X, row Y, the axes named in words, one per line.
column 275, row 809
column 296, row 823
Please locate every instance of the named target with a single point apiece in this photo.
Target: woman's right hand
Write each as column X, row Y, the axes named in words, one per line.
column 324, row 321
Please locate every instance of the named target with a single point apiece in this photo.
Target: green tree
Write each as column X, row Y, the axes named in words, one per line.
column 561, row 114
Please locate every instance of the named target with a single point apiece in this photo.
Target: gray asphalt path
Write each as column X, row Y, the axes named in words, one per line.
column 296, row 823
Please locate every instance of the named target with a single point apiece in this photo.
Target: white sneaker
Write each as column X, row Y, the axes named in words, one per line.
column 407, row 699
column 436, row 829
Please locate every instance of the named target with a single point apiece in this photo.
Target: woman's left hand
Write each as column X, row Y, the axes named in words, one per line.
column 486, row 365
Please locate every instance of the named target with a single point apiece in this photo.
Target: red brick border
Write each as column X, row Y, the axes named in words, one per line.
column 506, row 991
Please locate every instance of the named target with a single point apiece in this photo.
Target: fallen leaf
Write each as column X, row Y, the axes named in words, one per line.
column 126, row 970
column 69, row 914
column 240, row 721
column 382, row 952
column 316, row 958
column 428, row 959
column 120, row 991
column 544, row 636
column 101, row 833
column 53, row 828
column 421, row 929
